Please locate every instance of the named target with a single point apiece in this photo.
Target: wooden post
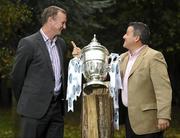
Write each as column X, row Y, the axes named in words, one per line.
column 97, row 114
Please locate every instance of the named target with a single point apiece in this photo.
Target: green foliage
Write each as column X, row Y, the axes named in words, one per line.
column 6, row 61
column 12, row 18
column 107, row 18
column 162, row 17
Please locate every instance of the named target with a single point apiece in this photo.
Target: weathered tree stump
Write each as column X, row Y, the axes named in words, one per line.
column 97, row 114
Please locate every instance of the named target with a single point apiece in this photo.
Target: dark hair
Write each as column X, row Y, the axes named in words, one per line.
column 141, row 30
column 50, row 11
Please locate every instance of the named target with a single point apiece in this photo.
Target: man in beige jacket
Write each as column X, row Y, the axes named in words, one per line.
column 147, row 94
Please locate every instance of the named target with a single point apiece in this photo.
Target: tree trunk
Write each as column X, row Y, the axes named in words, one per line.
column 97, row 114
column 5, row 94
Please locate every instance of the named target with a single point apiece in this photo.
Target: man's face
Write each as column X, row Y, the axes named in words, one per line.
column 129, row 38
column 59, row 23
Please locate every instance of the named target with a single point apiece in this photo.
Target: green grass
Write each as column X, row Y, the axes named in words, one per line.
column 6, row 123
column 9, row 125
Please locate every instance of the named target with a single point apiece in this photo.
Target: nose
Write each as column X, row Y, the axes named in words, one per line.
column 124, row 36
column 64, row 26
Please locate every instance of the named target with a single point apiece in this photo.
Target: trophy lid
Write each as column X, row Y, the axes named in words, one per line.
column 94, row 44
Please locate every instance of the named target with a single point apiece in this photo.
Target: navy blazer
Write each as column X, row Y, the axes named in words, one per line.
column 32, row 75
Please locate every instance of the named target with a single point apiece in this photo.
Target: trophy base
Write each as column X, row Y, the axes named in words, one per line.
column 95, row 84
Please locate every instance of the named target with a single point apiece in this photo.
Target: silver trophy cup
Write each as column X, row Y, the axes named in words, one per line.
column 94, row 59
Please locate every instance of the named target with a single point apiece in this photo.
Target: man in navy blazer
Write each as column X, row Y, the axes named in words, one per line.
column 38, row 77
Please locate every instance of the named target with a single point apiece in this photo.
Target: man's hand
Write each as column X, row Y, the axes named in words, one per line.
column 76, row 50
column 163, row 124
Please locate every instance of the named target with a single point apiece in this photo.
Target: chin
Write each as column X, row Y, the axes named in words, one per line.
column 58, row 34
column 124, row 45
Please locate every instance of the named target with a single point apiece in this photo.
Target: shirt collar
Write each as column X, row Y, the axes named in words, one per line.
column 45, row 37
column 136, row 52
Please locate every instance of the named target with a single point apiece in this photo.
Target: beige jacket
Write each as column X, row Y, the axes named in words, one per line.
column 149, row 90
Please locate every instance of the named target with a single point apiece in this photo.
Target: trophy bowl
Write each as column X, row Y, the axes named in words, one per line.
column 94, row 58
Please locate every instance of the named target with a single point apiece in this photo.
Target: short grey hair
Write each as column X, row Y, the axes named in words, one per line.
column 141, row 30
column 51, row 11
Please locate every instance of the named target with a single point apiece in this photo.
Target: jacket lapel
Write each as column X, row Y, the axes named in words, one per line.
column 138, row 60
column 123, row 63
column 45, row 51
column 59, row 48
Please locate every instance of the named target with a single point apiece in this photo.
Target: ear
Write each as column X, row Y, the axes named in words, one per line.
column 50, row 19
column 137, row 38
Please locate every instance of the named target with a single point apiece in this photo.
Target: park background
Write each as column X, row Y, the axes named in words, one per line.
column 108, row 19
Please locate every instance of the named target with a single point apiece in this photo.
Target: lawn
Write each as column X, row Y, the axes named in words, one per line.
column 9, row 125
